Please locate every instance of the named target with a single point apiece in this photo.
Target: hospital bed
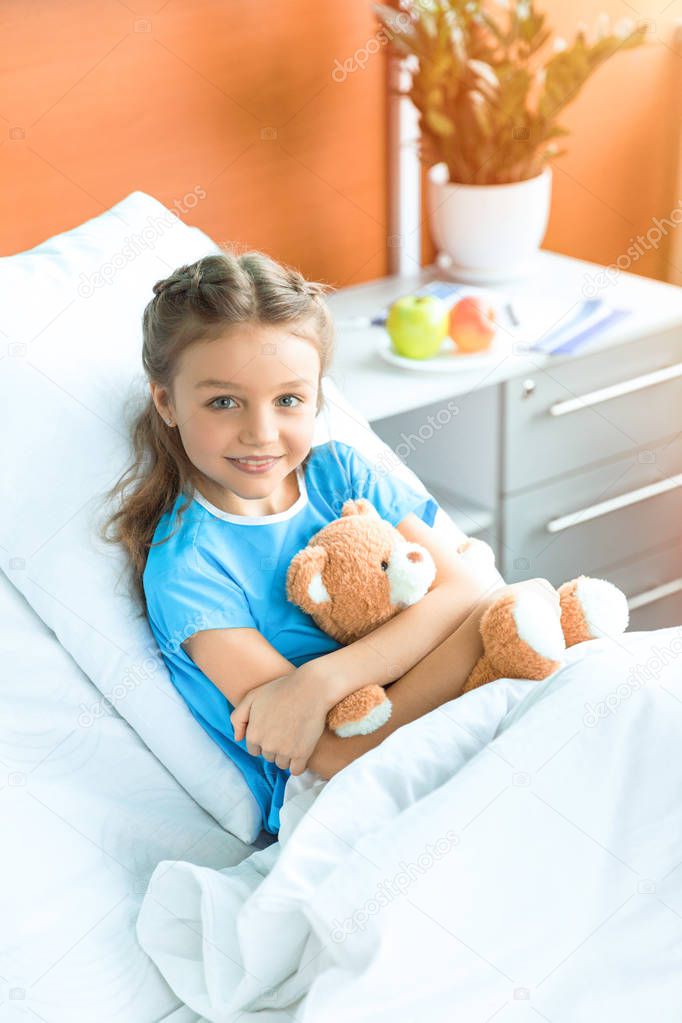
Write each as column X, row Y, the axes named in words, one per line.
column 514, row 852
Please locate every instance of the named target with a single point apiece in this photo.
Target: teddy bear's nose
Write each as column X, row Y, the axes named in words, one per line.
column 414, row 556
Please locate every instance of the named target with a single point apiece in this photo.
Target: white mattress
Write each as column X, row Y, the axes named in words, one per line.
column 88, row 813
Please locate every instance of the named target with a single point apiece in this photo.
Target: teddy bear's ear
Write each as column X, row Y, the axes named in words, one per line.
column 359, row 506
column 305, row 587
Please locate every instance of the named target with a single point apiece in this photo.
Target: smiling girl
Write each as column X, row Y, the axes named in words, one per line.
column 226, row 486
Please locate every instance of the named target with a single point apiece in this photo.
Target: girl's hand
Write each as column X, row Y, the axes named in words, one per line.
column 543, row 588
column 481, row 553
column 481, row 557
column 540, row 587
column 282, row 720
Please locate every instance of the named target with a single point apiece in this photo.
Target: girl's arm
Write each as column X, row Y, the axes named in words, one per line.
column 437, row 679
column 390, row 650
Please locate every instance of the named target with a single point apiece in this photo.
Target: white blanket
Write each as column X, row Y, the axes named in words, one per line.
column 515, row 854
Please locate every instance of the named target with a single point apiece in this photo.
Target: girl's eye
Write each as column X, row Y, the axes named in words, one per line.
column 212, row 404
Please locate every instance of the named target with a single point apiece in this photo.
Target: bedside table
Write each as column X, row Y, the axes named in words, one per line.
column 566, row 465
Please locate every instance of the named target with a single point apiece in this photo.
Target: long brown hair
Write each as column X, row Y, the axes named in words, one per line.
column 199, row 301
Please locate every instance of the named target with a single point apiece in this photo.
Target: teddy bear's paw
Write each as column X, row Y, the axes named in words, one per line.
column 473, row 548
column 361, row 712
column 522, row 636
column 592, row 609
column 539, row 626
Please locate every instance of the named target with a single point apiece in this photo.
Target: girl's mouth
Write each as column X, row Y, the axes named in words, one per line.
column 254, row 468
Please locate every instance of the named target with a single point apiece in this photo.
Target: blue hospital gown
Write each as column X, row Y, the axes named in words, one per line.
column 223, row 571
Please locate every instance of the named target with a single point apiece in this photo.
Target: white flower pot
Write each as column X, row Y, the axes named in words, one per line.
column 488, row 232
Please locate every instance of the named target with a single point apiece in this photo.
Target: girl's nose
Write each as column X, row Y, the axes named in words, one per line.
column 260, row 429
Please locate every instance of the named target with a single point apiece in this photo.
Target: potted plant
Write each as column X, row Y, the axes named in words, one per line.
column 488, row 107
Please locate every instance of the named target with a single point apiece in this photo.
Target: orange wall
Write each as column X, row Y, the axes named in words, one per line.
column 99, row 98
column 236, row 97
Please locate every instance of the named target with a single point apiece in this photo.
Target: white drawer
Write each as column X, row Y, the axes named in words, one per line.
column 584, row 410
column 596, row 518
column 653, row 585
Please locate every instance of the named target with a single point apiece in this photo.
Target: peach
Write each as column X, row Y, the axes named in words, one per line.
column 472, row 323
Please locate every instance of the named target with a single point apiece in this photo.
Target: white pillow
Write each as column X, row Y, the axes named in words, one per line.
column 73, row 308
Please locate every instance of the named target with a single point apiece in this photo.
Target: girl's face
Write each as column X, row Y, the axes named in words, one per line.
column 250, row 393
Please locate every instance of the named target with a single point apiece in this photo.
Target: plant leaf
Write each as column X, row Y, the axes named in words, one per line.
column 486, row 107
column 439, row 123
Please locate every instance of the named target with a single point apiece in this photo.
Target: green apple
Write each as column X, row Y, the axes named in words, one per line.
column 418, row 325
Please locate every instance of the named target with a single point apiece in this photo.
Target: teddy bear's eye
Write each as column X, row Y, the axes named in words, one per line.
column 384, row 566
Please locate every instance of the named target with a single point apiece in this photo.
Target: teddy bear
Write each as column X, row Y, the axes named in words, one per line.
column 359, row 571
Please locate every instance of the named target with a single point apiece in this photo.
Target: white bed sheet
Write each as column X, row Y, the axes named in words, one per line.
column 514, row 855
column 87, row 814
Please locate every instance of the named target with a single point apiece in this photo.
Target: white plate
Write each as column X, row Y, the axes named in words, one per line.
column 445, row 362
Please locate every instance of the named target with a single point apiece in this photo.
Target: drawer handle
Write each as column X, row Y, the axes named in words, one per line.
column 562, row 408
column 613, row 504
column 657, row 593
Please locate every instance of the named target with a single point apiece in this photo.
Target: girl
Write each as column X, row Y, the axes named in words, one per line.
column 226, row 487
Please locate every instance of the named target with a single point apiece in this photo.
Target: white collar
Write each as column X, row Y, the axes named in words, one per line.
column 259, row 520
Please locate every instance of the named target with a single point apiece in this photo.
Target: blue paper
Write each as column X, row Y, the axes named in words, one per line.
column 572, row 344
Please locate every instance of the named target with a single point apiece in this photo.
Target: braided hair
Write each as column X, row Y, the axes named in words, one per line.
column 199, row 301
